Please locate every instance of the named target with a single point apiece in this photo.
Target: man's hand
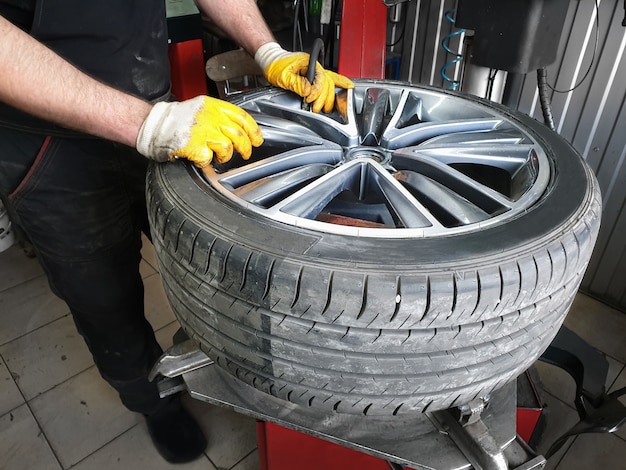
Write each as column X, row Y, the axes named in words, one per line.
column 288, row 70
column 197, row 129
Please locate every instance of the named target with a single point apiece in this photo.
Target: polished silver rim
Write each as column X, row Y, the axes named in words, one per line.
column 398, row 161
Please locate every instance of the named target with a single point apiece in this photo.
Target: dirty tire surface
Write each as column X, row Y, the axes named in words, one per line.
column 369, row 324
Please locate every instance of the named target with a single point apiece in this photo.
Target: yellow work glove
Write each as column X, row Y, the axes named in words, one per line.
column 197, row 129
column 288, row 70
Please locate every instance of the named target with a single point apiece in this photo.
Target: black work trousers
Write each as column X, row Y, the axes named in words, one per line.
column 81, row 203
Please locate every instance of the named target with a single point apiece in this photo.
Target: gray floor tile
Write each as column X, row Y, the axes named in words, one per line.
column 557, row 418
column 10, row 396
column 15, row 268
column 148, row 254
column 620, row 383
column 81, row 415
column 249, row 462
column 145, row 269
column 166, row 334
column 28, row 306
column 22, row 445
column 133, row 450
column 595, row 451
column 46, row 357
column 231, row 436
column 601, row 326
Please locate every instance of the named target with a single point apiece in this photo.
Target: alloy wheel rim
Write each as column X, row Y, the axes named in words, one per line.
column 397, row 162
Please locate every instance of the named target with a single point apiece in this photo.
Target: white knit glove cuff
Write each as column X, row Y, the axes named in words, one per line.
column 268, row 53
column 145, row 139
column 167, row 128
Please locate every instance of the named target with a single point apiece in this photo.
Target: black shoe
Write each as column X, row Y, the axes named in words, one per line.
column 175, row 433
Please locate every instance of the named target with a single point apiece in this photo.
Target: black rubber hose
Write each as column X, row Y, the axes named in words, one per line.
column 296, row 26
column 544, row 99
column 317, row 55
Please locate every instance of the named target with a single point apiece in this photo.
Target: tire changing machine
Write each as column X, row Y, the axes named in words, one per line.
column 480, row 435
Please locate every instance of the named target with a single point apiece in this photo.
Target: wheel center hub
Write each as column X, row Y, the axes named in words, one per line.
column 372, row 153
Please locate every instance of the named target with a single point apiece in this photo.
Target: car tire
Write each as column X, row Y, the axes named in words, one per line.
column 367, row 323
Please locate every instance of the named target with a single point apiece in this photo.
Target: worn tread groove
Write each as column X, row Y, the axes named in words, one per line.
column 244, row 271
column 329, row 289
column 478, row 293
column 208, row 258
column 193, row 247
column 501, row 293
column 455, row 294
column 550, row 279
column 225, row 264
column 296, row 290
column 178, row 234
column 164, row 229
column 398, row 299
column 566, row 260
column 519, row 284
column 268, row 280
column 536, row 276
column 427, row 306
column 363, row 297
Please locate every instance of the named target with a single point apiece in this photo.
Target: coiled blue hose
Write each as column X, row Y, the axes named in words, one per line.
column 454, row 84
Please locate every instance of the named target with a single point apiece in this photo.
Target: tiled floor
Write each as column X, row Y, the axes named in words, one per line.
column 56, row 413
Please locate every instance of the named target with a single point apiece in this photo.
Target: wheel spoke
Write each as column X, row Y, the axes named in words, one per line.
column 270, row 188
column 500, row 136
column 321, row 154
column 309, row 201
column 375, row 106
column 507, row 157
column 408, row 210
column 480, row 195
column 394, row 138
column 360, row 177
column 277, row 130
column 331, row 127
column 449, row 208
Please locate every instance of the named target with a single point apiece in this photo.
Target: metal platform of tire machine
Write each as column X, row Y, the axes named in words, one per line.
column 479, row 435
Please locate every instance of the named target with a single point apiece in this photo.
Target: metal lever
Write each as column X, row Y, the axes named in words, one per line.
column 179, row 359
column 599, row 412
column 608, row 417
column 464, row 425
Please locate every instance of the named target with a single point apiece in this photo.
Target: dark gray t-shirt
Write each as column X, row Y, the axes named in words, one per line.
column 120, row 42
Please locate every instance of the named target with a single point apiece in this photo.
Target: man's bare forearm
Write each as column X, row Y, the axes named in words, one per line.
column 241, row 20
column 36, row 80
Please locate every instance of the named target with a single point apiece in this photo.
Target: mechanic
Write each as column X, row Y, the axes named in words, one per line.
column 78, row 85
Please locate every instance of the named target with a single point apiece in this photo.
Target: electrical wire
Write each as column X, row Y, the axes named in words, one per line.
column 457, row 57
column 490, row 82
column 328, row 40
column 300, row 7
column 542, row 79
column 593, row 57
column 544, row 99
column 400, row 37
column 296, row 27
